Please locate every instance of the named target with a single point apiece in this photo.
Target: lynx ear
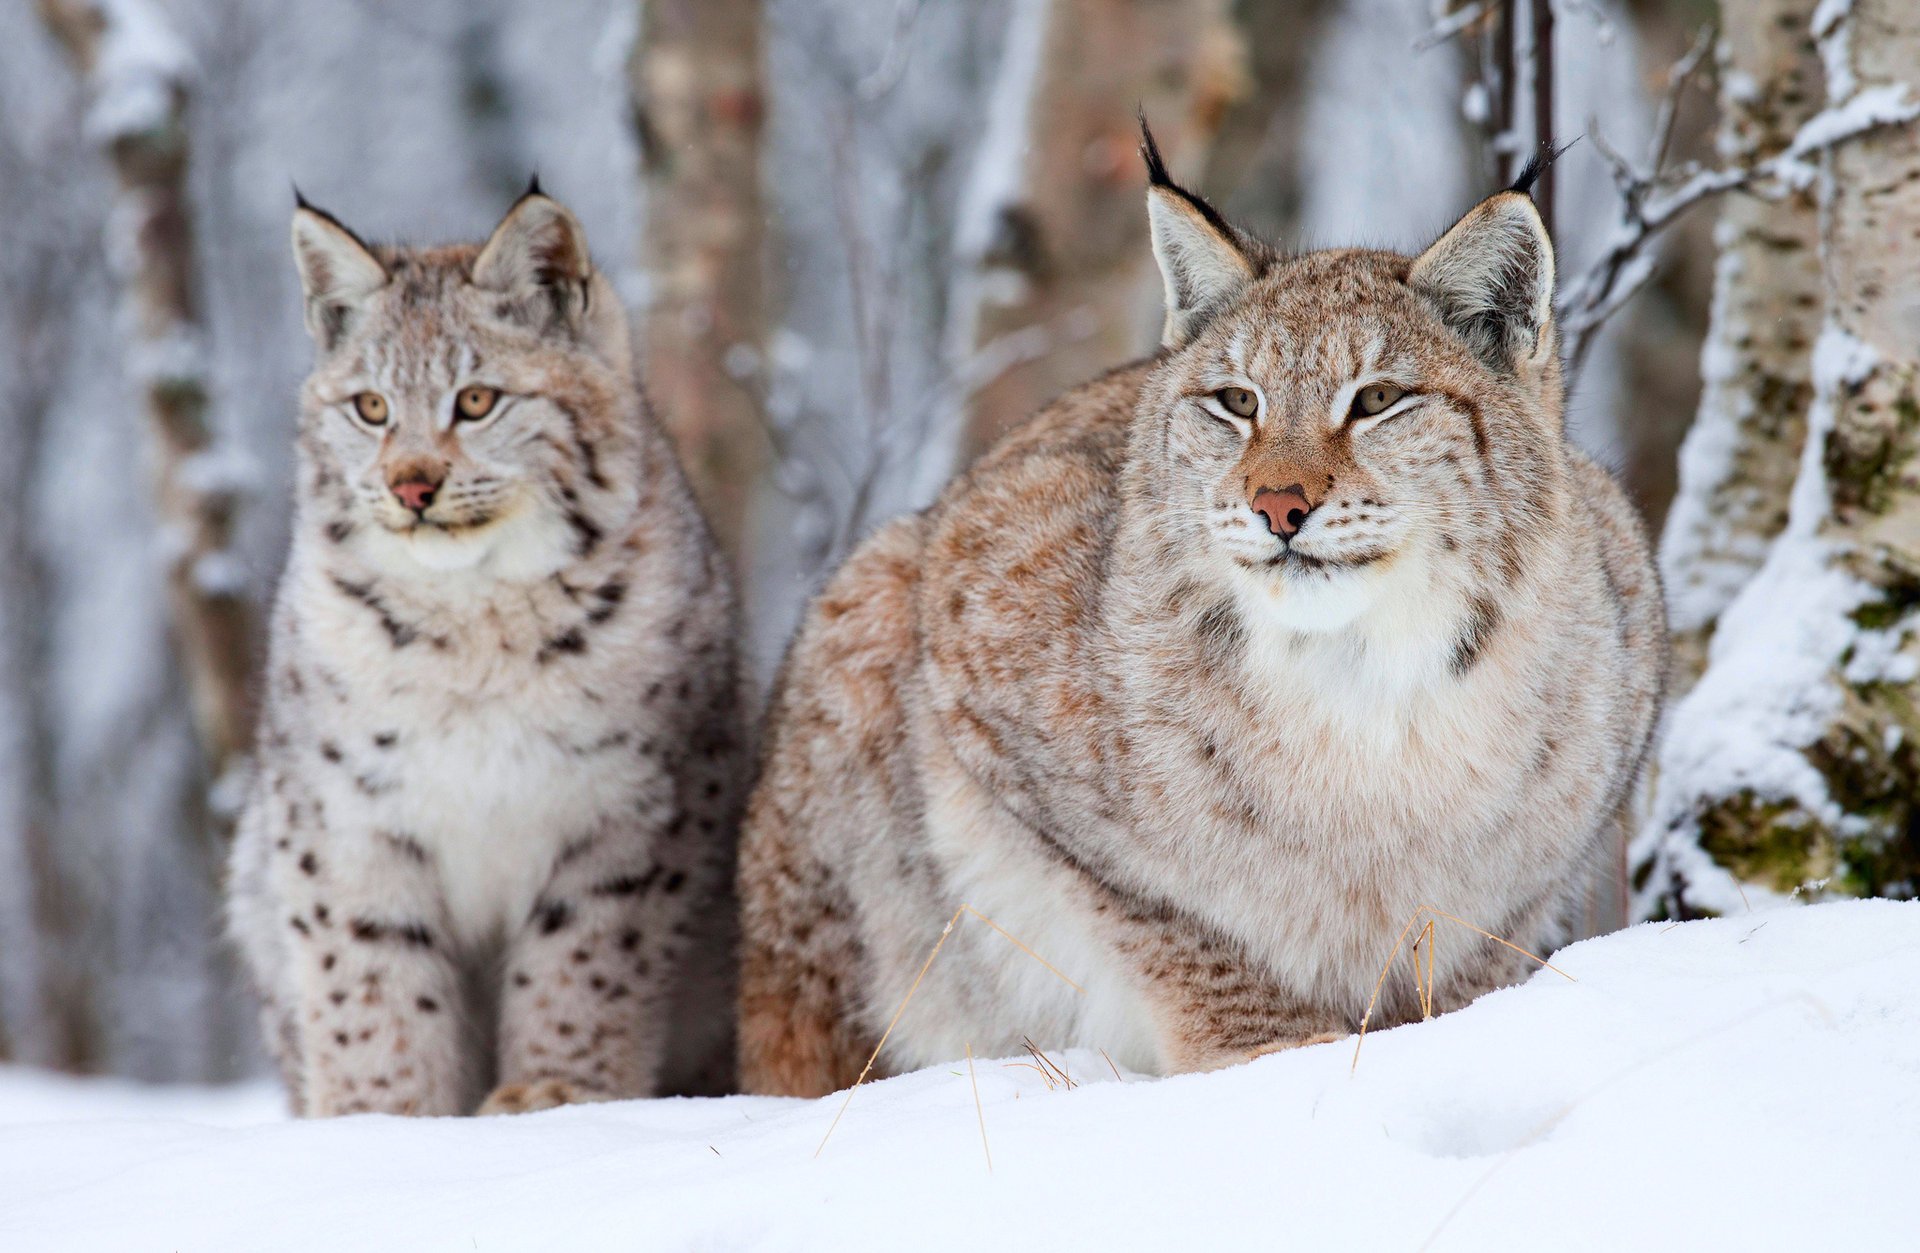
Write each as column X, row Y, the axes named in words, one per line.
column 1492, row 278
column 538, row 259
column 1204, row 262
column 337, row 272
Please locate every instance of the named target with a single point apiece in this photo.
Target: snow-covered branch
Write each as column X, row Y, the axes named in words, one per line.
column 1652, row 198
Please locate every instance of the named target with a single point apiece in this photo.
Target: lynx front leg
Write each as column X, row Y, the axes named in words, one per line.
column 1212, row 1006
column 377, row 1025
column 589, row 977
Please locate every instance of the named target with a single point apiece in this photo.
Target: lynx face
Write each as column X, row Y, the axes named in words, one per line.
column 1350, row 423
column 455, row 415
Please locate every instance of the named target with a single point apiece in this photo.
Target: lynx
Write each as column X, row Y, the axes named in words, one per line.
column 499, row 756
column 1206, row 678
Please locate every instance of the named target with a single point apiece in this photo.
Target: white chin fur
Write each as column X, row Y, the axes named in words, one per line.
column 517, row 547
column 444, row 551
column 1311, row 603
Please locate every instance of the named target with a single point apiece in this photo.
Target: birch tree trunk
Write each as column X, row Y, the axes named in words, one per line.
column 38, row 1024
column 137, row 73
column 699, row 96
column 1793, row 767
column 1066, row 256
column 167, row 1005
column 1738, row 462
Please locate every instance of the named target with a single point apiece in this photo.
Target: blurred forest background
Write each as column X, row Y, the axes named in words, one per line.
column 860, row 237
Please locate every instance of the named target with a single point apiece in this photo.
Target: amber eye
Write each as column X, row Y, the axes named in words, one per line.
column 372, row 408
column 1238, row 401
column 474, row 403
column 1375, row 398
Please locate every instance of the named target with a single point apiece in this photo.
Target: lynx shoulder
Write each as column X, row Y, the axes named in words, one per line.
column 499, row 758
column 1208, row 677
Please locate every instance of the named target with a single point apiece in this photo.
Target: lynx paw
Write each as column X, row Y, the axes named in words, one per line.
column 525, row 1098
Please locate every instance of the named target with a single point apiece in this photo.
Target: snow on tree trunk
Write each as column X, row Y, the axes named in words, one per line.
column 1793, row 766
column 699, row 99
column 127, row 879
column 138, row 70
column 1063, row 247
column 1373, row 134
column 1738, row 462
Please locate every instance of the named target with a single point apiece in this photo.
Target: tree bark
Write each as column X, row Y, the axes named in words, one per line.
column 699, row 97
column 1738, row 462
column 1793, row 767
column 137, row 75
column 1068, row 252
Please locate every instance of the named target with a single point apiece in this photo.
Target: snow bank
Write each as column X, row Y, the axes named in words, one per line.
column 1748, row 1082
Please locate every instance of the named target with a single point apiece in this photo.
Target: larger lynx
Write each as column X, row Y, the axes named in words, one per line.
column 1206, row 678
column 498, row 761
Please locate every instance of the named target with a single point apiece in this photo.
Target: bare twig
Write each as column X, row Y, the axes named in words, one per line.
column 1454, row 23
column 1678, row 77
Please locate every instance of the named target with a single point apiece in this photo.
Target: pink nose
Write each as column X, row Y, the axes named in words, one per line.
column 1285, row 511
column 415, row 494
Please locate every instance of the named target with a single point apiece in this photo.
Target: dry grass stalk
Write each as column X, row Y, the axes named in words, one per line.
column 906, row 1000
column 1047, row 1063
column 1425, row 987
column 1110, row 1066
column 1423, row 981
column 1045, row 1077
column 979, row 1110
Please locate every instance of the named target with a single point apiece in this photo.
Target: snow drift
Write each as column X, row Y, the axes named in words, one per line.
column 1750, row 1082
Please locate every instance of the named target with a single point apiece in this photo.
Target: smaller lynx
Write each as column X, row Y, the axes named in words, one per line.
column 499, row 757
column 1207, row 677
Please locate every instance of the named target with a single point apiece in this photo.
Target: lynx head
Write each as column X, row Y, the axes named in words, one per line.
column 470, row 407
column 1339, row 423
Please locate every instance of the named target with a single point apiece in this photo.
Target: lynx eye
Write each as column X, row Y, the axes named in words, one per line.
column 1238, row 401
column 1375, row 398
column 474, row 403
column 372, row 408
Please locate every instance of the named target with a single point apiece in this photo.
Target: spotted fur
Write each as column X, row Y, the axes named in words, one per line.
column 489, row 843
column 1206, row 771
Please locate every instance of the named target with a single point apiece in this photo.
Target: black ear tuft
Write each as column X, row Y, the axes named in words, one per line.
column 1204, row 262
column 1157, row 175
column 533, row 186
column 1490, row 278
column 1537, row 165
column 338, row 272
column 300, row 202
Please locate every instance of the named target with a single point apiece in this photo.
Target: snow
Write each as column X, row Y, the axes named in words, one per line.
column 141, row 65
column 1747, row 1082
column 1885, row 105
column 1833, row 31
